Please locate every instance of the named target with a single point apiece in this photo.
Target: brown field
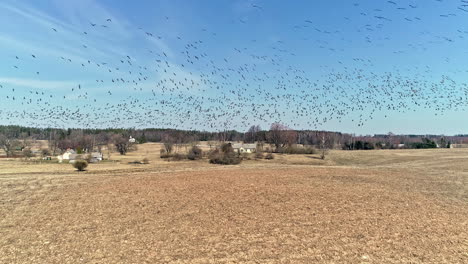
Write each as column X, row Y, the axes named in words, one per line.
column 385, row 206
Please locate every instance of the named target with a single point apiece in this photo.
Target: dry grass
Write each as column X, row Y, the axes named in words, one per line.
column 399, row 206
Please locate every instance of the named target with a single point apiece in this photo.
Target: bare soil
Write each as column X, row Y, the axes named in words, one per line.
column 355, row 207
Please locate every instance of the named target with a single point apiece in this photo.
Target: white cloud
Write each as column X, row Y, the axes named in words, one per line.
column 38, row 84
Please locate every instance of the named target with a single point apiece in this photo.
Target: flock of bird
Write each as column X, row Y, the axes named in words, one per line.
column 194, row 89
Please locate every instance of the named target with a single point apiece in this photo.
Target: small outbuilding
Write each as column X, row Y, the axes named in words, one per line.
column 95, row 157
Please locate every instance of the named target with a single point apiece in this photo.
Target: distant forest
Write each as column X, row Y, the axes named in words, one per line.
column 278, row 135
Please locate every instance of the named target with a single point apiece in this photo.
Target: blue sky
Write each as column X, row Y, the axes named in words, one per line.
column 379, row 66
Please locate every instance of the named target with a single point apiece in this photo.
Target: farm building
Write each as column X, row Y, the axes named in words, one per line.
column 96, row 157
column 244, row 148
column 71, row 156
column 458, row 145
column 66, row 155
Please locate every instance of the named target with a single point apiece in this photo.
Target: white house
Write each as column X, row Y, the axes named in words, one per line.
column 131, row 140
column 67, row 155
column 71, row 156
column 244, row 148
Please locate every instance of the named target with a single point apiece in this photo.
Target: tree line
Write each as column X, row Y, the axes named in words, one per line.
column 279, row 136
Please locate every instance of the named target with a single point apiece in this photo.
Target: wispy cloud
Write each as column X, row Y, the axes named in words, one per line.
column 110, row 42
column 37, row 84
column 68, row 38
column 161, row 45
column 103, row 44
column 83, row 12
column 28, row 46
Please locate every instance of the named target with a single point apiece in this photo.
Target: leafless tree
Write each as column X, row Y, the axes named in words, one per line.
column 102, row 139
column 122, row 144
column 54, row 139
column 24, row 141
column 168, row 142
column 324, row 143
column 280, row 135
column 8, row 145
column 251, row 134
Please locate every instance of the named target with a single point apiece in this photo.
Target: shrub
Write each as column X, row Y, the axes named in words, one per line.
column 246, row 156
column 145, row 161
column 259, row 155
column 227, row 148
column 269, row 156
column 168, row 147
column 45, row 152
column 297, row 150
column 123, row 144
column 88, row 158
column 360, row 145
column 195, row 153
column 213, row 152
column 229, row 158
column 80, row 165
column 226, row 156
column 164, row 155
column 323, row 153
column 425, row 144
column 178, row 157
column 28, row 153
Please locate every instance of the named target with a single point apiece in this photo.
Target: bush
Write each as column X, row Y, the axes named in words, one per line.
column 359, row 145
column 224, row 158
column 227, row 148
column 168, row 147
column 259, row 155
column 298, row 150
column 178, row 157
column 246, row 156
column 145, row 161
column 172, row 156
column 323, row 153
column 28, row 153
column 269, row 156
column 195, row 153
column 80, row 165
column 123, row 144
column 88, row 158
column 45, row 152
column 425, row 144
column 164, row 155
column 213, row 152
